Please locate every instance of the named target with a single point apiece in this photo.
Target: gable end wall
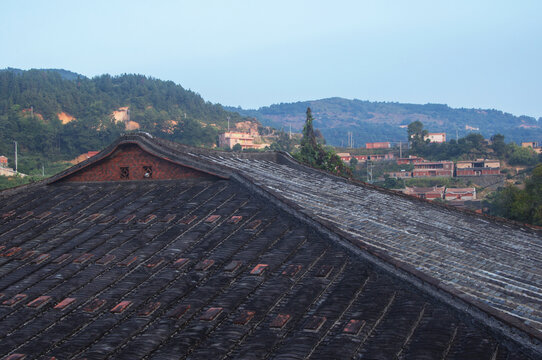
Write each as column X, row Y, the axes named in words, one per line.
column 135, row 158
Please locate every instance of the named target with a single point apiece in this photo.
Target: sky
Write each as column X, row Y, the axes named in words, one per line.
column 472, row 54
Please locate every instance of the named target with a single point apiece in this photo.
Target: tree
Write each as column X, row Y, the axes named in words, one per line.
column 283, row 142
column 353, row 162
column 498, row 145
column 416, row 135
column 521, row 205
column 314, row 154
column 518, row 155
column 237, row 147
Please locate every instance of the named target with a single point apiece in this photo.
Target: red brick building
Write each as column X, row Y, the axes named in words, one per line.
column 434, row 169
column 480, row 167
column 410, row 160
column 460, row 194
column 429, row 193
column 346, row 157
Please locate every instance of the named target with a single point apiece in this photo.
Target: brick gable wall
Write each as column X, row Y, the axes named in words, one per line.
column 134, row 158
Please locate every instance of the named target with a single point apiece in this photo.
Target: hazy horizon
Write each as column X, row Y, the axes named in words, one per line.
column 482, row 55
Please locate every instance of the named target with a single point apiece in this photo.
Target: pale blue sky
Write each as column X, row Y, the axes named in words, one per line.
column 483, row 54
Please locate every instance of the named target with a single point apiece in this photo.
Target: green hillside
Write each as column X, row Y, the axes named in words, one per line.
column 57, row 114
column 382, row 121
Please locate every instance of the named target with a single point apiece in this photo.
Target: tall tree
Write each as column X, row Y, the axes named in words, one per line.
column 315, row 155
column 416, row 135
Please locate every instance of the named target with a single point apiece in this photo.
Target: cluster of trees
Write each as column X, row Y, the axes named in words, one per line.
column 30, row 101
column 524, row 205
column 313, row 153
column 284, row 142
column 469, row 147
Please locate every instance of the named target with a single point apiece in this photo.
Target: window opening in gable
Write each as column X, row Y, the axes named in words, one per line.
column 124, row 172
column 147, row 170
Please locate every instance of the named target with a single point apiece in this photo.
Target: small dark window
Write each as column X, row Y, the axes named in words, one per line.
column 147, row 170
column 124, row 172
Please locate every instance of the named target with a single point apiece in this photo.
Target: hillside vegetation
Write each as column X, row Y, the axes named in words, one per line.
column 381, row 121
column 57, row 114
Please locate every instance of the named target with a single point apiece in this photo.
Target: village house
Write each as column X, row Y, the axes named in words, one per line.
column 376, row 157
column 428, row 193
column 433, row 169
column 378, row 145
column 411, row 159
column 460, row 194
column 479, row 167
column 153, row 249
column 3, row 161
column 435, row 137
column 533, row 145
column 247, row 140
column 5, row 170
column 346, row 157
column 403, row 174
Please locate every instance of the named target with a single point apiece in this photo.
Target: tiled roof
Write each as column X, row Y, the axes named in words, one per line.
column 493, row 262
column 205, row 268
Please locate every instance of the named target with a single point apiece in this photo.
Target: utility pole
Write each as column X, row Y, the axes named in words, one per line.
column 290, row 131
column 15, row 156
column 228, row 124
column 400, row 149
column 350, row 139
column 42, row 170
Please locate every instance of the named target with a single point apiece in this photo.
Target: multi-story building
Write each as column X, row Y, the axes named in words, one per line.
column 346, row 157
column 230, row 138
column 410, row 160
column 378, row 145
column 376, row 157
column 435, row 137
column 533, row 145
column 433, row 169
column 479, row 167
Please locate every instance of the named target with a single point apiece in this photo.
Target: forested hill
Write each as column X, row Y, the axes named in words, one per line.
column 382, row 121
column 55, row 114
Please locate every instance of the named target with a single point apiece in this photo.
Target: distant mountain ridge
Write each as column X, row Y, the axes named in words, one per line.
column 64, row 74
column 386, row 121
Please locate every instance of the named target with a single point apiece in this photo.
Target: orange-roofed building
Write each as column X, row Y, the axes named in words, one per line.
column 84, row 157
